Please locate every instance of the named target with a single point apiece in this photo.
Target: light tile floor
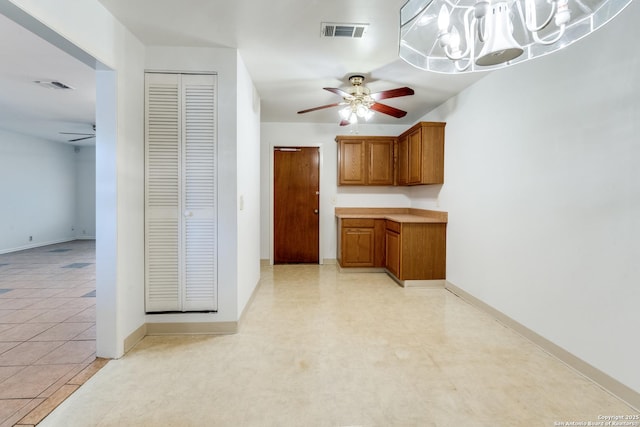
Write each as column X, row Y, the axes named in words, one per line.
column 321, row 348
column 47, row 326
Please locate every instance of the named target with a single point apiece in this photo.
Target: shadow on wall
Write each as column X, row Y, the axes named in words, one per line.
column 425, row 196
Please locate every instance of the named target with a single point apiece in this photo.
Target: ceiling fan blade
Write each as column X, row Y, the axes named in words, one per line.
column 81, row 139
column 319, row 108
column 392, row 93
column 345, row 122
column 338, row 91
column 386, row 109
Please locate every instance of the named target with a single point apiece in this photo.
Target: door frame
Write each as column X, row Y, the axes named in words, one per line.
column 271, row 194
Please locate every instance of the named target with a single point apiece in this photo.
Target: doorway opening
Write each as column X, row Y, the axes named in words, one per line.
column 106, row 188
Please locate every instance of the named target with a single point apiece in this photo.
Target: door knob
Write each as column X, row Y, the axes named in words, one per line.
column 315, row 211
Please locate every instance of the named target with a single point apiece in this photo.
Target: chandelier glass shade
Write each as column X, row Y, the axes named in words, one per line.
column 460, row 36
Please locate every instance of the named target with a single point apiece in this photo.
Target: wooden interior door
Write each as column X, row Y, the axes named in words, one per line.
column 296, row 195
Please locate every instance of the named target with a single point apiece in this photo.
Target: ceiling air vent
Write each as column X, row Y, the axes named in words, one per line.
column 53, row 85
column 332, row 29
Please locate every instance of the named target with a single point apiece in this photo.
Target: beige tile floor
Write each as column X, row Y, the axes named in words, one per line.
column 47, row 326
column 321, row 348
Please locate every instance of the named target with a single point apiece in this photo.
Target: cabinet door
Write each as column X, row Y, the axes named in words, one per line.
column 380, row 162
column 415, row 157
column 392, row 245
column 358, row 247
column 351, row 170
column 423, row 251
column 403, row 161
column 432, row 155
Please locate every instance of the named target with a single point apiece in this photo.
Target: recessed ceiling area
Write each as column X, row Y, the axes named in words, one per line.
column 42, row 110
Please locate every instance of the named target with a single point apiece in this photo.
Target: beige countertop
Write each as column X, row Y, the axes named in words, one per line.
column 406, row 215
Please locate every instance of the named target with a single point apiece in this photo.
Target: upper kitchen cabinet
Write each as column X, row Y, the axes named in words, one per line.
column 365, row 160
column 421, row 154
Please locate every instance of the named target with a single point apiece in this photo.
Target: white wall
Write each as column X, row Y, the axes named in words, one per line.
column 85, row 183
column 322, row 135
column 223, row 61
column 542, row 186
column 37, row 191
column 89, row 31
column 49, row 192
column 248, row 170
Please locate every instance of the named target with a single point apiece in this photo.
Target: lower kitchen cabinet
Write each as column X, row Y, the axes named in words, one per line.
column 416, row 251
column 392, row 252
column 361, row 242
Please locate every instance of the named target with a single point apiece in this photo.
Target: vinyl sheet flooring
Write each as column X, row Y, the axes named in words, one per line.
column 322, row 348
column 47, row 328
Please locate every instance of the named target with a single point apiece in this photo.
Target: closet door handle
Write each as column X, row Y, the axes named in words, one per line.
column 315, row 211
column 187, row 214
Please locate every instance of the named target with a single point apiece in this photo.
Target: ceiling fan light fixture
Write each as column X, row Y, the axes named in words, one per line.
column 368, row 115
column 361, row 110
column 345, row 113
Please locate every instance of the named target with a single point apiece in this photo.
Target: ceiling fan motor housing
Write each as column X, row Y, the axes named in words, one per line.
column 359, row 93
column 356, row 80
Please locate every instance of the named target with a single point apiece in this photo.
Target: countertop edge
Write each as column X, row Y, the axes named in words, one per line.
column 406, row 215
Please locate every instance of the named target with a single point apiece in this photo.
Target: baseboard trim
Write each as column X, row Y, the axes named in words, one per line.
column 427, row 284
column 432, row 284
column 85, row 237
column 613, row 386
column 135, row 337
column 360, row 269
column 36, row 245
column 181, row 328
column 325, row 261
column 195, row 328
column 248, row 304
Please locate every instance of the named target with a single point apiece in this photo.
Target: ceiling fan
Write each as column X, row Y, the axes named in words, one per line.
column 360, row 102
column 83, row 137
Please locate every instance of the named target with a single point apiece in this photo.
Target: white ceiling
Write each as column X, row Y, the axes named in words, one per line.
column 28, row 108
column 278, row 40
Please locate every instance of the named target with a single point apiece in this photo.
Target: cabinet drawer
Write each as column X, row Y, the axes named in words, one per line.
column 393, row 226
column 358, row 222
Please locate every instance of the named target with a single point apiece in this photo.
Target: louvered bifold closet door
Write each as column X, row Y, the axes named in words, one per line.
column 199, row 189
column 180, row 193
column 162, row 192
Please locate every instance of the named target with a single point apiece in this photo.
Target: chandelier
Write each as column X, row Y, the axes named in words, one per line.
column 458, row 36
